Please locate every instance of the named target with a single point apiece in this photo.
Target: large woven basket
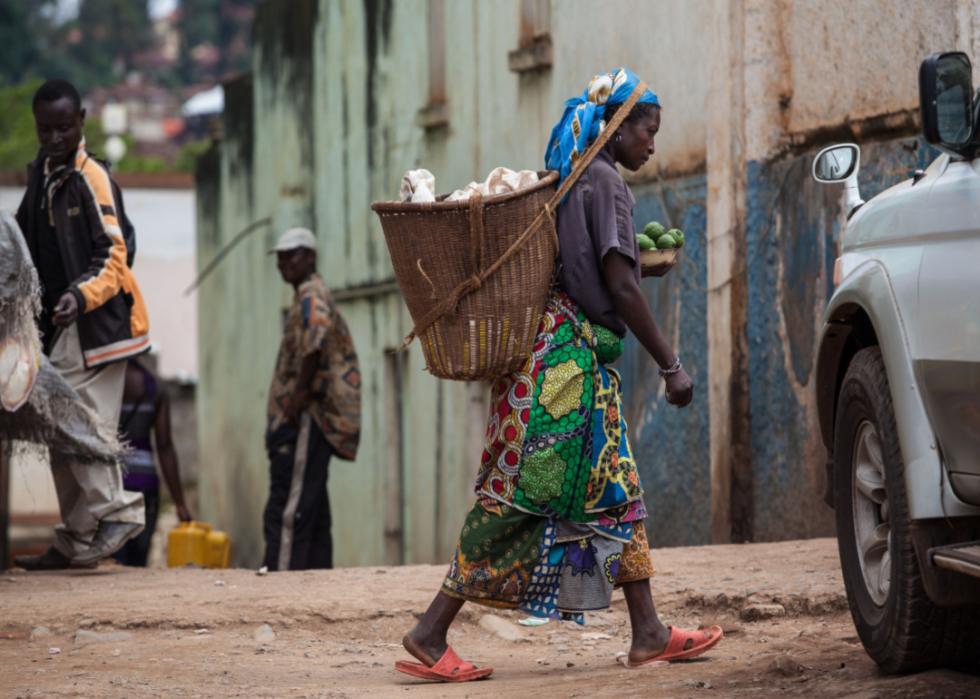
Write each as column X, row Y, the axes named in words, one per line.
column 475, row 274
column 436, row 247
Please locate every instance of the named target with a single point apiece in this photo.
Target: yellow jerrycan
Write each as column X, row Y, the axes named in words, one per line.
column 218, row 546
column 194, row 543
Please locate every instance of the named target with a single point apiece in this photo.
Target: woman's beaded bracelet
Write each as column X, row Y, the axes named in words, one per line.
column 674, row 368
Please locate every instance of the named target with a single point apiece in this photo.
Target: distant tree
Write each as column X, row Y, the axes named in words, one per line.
column 200, row 21
column 109, row 35
column 96, row 48
column 18, row 140
column 199, row 27
column 222, row 24
column 101, row 45
column 235, row 40
column 18, row 47
column 25, row 28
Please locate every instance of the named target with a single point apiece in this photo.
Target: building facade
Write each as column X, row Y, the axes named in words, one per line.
column 345, row 96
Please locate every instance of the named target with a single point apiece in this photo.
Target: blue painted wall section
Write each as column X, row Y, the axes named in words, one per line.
column 671, row 445
column 792, row 232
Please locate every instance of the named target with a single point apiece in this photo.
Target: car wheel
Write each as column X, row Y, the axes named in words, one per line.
column 900, row 628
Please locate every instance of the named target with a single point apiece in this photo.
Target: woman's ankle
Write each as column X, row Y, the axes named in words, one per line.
column 428, row 645
column 651, row 632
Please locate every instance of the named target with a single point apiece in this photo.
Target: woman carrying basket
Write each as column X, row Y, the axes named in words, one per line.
column 558, row 521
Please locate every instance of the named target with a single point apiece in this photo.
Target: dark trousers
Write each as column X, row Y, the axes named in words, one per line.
column 297, row 516
column 136, row 551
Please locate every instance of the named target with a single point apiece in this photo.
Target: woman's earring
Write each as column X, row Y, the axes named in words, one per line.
column 619, row 137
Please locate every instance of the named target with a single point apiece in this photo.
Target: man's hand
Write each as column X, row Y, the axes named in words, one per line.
column 297, row 403
column 680, row 388
column 301, row 391
column 66, row 311
column 183, row 514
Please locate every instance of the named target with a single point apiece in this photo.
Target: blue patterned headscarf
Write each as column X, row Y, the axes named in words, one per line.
column 580, row 124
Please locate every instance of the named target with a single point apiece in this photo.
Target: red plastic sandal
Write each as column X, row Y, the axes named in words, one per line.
column 450, row 668
column 677, row 648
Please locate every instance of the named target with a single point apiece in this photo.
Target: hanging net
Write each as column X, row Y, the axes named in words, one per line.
column 36, row 403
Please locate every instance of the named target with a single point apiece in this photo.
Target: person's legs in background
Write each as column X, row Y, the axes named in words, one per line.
column 136, row 552
column 321, row 546
column 298, row 516
column 312, row 543
column 281, row 448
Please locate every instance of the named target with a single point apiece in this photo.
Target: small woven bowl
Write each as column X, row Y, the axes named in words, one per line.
column 656, row 263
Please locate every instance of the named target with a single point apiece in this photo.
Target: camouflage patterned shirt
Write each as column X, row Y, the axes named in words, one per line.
column 314, row 324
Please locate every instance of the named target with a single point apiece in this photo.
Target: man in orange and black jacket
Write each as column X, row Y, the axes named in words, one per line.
column 93, row 318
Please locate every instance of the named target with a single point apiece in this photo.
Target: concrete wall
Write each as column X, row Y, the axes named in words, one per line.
column 787, row 79
column 792, row 230
column 327, row 123
column 295, row 152
column 670, row 445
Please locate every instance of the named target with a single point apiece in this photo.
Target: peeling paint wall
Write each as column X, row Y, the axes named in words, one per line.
column 813, row 66
column 832, row 39
column 793, row 228
column 324, row 126
column 671, row 445
column 326, row 123
column 802, row 76
column 297, row 150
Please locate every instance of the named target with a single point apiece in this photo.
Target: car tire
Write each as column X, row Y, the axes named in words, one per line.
column 900, row 628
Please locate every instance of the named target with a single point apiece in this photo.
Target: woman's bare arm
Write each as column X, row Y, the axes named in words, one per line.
column 617, row 271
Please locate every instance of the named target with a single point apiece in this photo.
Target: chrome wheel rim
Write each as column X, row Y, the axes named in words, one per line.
column 872, row 533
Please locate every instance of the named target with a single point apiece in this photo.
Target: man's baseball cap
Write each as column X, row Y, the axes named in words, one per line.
column 295, row 238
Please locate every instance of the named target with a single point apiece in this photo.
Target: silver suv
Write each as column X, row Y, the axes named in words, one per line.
column 898, row 389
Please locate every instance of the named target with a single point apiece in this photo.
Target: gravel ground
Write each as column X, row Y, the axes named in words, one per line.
column 116, row 632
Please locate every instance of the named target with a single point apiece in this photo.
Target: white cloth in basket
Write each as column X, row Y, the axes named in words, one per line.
column 420, row 185
column 500, row 181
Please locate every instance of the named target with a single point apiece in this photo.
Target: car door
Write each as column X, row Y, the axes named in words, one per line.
column 946, row 323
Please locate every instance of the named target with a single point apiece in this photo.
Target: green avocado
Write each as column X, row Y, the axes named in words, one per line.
column 645, row 241
column 654, row 229
column 666, row 242
column 678, row 235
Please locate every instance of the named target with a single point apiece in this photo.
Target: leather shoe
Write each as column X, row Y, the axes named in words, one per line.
column 109, row 538
column 52, row 559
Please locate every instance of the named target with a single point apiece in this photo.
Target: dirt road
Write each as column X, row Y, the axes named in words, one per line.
column 116, row 632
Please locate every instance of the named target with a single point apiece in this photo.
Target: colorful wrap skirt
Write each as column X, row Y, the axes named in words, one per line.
column 558, row 521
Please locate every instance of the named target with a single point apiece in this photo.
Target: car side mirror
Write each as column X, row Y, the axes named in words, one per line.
column 841, row 163
column 836, row 163
column 946, row 101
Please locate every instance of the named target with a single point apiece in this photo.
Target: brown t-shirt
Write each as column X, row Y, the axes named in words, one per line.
column 596, row 217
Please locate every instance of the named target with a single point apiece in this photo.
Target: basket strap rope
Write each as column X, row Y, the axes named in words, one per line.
column 476, row 280
column 554, row 224
column 477, row 235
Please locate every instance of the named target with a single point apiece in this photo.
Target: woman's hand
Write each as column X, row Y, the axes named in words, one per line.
column 680, row 388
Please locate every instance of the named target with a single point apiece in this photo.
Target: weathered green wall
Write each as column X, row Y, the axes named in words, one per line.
column 295, row 152
column 327, row 123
